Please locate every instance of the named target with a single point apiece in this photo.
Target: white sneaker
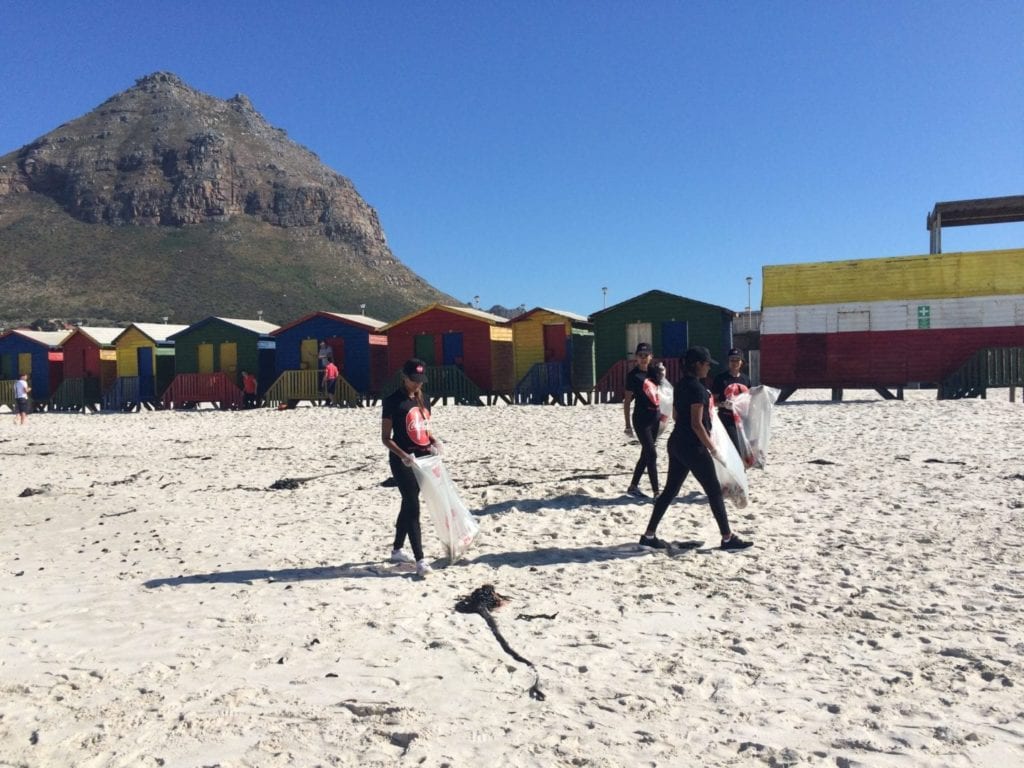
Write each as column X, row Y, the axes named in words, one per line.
column 423, row 568
column 401, row 556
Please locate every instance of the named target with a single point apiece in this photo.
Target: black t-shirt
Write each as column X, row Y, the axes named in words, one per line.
column 410, row 424
column 645, row 395
column 723, row 380
column 690, row 391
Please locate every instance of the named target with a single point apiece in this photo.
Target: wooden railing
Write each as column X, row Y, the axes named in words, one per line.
column 989, row 367
column 293, row 386
column 188, row 389
column 543, row 383
column 443, row 381
column 77, row 394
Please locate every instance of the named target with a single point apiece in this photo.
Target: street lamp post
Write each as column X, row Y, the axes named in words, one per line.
column 749, row 281
column 604, row 297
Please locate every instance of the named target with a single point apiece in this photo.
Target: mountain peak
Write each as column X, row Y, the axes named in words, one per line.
column 164, row 155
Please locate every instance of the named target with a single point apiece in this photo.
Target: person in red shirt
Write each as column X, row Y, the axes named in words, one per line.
column 329, row 382
column 249, row 387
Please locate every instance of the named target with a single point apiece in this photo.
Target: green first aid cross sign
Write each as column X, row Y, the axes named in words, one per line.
column 924, row 316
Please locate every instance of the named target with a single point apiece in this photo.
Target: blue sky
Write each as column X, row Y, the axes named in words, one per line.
column 535, row 152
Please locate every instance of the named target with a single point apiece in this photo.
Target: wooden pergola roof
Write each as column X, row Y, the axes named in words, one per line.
column 962, row 213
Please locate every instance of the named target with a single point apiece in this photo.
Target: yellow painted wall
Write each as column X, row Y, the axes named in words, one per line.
column 127, row 352
column 25, row 363
column 529, row 339
column 937, row 276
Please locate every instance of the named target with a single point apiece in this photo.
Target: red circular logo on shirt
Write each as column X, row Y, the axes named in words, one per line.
column 417, row 426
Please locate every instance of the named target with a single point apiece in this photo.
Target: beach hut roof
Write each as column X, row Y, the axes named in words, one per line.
column 46, row 338
column 156, row 332
column 651, row 294
column 256, row 326
column 260, row 327
column 104, row 337
column 560, row 312
column 476, row 314
column 362, row 321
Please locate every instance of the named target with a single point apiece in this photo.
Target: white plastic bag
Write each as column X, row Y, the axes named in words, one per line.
column 665, row 397
column 729, row 466
column 456, row 527
column 755, row 411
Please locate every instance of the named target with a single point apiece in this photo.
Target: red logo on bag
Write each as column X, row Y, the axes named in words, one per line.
column 651, row 390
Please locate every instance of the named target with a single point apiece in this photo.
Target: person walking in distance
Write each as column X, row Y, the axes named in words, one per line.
column 329, row 382
column 690, row 450
column 21, row 403
column 728, row 382
column 405, row 430
column 642, row 390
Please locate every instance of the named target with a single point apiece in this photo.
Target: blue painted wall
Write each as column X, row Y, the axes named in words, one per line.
column 356, row 365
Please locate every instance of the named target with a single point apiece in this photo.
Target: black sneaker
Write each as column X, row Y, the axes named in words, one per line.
column 636, row 493
column 735, row 542
column 653, row 542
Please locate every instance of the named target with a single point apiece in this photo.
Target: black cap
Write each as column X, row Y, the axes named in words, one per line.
column 736, row 353
column 415, row 370
column 643, row 348
column 698, row 355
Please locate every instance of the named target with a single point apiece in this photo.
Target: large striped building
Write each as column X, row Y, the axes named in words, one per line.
column 889, row 322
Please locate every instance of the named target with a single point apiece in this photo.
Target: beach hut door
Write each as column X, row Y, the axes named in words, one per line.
column 635, row 333
column 146, row 389
column 204, row 355
column 452, row 345
column 423, row 346
column 337, row 345
column 674, row 334
column 25, row 363
column 308, row 355
column 554, row 343
column 229, row 357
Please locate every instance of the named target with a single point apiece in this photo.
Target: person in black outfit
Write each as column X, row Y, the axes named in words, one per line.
column 731, row 376
column 405, row 430
column 645, row 419
column 690, row 450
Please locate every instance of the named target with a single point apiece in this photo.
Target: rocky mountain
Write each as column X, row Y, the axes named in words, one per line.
column 165, row 201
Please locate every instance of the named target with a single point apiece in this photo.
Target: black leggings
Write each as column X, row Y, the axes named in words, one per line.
column 683, row 459
column 408, row 522
column 729, row 422
column 647, row 433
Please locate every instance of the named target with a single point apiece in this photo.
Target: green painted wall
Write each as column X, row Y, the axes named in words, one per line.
column 216, row 332
column 707, row 325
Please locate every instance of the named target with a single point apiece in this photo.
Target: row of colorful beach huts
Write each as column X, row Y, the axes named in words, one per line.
column 473, row 357
column 954, row 321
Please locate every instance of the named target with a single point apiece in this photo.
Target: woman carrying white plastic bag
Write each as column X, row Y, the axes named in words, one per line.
column 690, row 449
column 405, row 430
column 456, row 527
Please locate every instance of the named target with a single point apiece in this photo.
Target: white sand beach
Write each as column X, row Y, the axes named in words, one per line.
column 161, row 606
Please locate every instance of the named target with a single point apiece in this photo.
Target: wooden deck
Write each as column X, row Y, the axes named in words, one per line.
column 447, row 381
column 990, row 367
column 77, row 394
column 189, row 389
column 294, row 386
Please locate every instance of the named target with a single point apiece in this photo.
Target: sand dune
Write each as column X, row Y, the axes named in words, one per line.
column 161, row 606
